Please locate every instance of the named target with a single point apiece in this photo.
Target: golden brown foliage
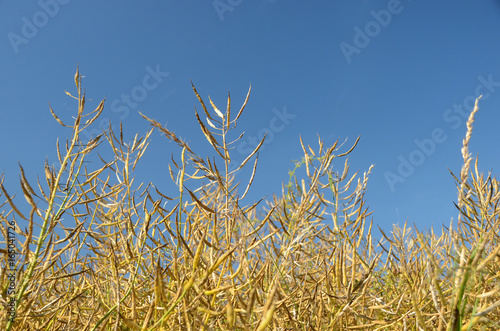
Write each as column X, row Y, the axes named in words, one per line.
column 129, row 263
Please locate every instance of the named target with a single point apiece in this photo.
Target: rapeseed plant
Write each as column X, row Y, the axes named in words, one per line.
column 211, row 263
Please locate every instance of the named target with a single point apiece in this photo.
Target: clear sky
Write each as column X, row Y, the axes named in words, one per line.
column 403, row 75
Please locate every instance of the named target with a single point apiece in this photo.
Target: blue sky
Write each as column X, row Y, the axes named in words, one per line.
column 401, row 74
